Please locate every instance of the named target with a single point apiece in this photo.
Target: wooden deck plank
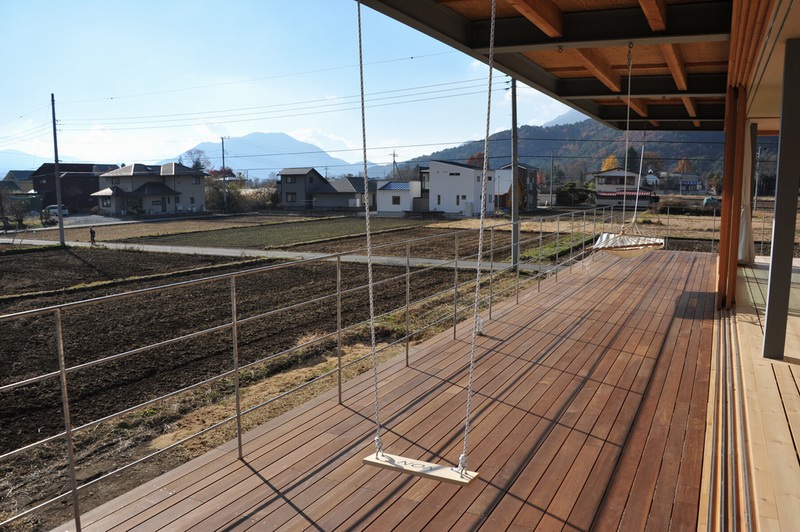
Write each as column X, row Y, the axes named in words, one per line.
column 572, row 387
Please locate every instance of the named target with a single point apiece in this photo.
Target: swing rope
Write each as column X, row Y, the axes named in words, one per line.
column 378, row 441
column 462, row 460
column 627, row 140
column 631, row 241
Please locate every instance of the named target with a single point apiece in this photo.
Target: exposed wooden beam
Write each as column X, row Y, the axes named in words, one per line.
column 637, row 105
column 544, row 13
column 600, row 67
column 677, row 67
column 690, row 24
column 691, row 109
column 656, row 13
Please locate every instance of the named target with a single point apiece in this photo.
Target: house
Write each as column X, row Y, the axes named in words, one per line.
column 305, row 188
column 527, row 191
column 170, row 188
column 455, row 188
column 615, row 186
column 397, row 196
column 297, row 185
column 78, row 182
column 22, row 179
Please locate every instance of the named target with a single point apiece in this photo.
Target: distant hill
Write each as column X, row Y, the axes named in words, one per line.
column 580, row 148
column 570, row 117
column 267, row 153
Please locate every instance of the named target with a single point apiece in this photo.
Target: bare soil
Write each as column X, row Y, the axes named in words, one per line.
column 58, row 276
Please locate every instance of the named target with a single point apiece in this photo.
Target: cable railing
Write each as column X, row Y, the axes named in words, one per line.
column 434, row 296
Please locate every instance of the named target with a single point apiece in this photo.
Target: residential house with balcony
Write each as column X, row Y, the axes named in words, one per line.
column 170, row 188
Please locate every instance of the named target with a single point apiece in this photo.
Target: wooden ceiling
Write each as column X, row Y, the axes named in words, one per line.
column 577, row 51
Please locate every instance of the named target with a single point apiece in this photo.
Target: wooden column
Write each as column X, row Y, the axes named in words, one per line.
column 727, row 197
column 735, row 217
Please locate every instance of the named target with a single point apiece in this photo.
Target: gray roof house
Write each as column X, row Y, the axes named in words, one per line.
column 305, row 188
column 22, row 178
column 170, row 188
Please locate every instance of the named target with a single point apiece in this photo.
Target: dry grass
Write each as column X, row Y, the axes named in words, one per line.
column 157, row 228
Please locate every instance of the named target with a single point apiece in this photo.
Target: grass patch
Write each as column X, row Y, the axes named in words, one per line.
column 565, row 245
column 278, row 235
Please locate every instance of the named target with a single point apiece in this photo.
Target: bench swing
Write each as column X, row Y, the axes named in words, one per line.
column 459, row 474
column 632, row 240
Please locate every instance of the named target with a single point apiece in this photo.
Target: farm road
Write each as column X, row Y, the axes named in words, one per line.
column 288, row 255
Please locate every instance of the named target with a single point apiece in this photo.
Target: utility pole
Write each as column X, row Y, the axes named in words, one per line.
column 552, row 171
column 758, row 160
column 56, row 173
column 514, row 178
column 224, row 178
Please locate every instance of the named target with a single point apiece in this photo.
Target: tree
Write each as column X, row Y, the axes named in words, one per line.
column 633, row 160
column 570, row 194
column 476, row 159
column 197, row 159
column 684, row 166
column 654, row 162
column 609, row 163
column 5, row 202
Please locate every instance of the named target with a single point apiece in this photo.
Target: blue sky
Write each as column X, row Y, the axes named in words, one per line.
column 141, row 81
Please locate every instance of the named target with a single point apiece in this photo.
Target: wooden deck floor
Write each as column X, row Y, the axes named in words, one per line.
column 771, row 401
column 589, row 411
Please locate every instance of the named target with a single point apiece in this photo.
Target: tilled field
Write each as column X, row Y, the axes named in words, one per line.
column 108, row 326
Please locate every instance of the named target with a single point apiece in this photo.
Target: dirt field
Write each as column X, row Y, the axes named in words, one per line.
column 38, row 279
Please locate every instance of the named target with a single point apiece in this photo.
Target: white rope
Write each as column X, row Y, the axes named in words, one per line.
column 462, row 460
column 627, row 136
column 639, row 178
column 378, row 441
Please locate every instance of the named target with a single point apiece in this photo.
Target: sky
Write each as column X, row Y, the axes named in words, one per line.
column 145, row 80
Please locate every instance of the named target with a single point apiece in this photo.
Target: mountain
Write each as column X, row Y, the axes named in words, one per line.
column 579, row 148
column 570, row 117
column 262, row 154
column 18, row 160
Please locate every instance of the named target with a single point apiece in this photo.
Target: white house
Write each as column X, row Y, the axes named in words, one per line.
column 615, row 186
column 152, row 189
column 455, row 188
column 397, row 196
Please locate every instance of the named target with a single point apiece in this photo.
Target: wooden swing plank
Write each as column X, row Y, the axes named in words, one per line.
column 412, row 466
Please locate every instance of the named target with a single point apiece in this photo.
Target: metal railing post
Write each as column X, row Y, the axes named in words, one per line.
column 62, row 367
column 518, row 265
column 455, row 286
column 763, row 225
column 571, row 239
column 713, row 229
column 491, row 268
column 666, row 239
column 558, row 236
column 339, row 324
column 539, row 258
column 408, row 297
column 235, row 340
column 594, row 228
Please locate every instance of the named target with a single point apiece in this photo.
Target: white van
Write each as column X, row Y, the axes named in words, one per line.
column 53, row 210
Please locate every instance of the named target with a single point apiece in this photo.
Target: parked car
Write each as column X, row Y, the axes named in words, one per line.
column 53, row 210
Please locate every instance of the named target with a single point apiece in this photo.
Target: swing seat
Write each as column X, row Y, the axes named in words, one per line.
column 420, row 468
column 627, row 246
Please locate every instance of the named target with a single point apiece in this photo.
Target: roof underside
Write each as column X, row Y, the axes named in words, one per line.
column 577, row 52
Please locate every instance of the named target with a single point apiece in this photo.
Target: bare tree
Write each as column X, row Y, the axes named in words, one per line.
column 197, row 159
